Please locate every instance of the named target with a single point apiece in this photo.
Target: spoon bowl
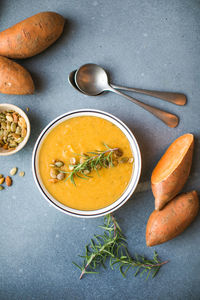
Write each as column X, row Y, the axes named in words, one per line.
column 91, row 79
column 72, row 81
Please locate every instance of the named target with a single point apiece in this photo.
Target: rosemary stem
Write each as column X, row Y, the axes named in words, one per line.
column 156, row 265
column 113, row 219
column 146, row 265
column 89, row 262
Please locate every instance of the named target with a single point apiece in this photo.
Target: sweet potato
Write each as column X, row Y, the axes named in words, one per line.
column 173, row 219
column 14, row 79
column 172, row 171
column 31, row 36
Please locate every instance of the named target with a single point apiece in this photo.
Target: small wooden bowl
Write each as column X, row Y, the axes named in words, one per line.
column 5, row 107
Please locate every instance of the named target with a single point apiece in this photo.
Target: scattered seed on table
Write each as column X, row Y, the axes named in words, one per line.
column 2, row 180
column 1, row 188
column 21, row 174
column 27, row 109
column 13, row 171
column 8, row 181
column 1, row 175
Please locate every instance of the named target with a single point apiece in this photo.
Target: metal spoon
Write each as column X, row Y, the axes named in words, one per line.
column 92, row 80
column 175, row 98
column 71, row 79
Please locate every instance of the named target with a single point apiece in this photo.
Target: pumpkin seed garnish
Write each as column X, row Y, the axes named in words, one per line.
column 131, row 160
column 53, row 180
column 72, row 161
column 51, row 165
column 53, row 173
column 60, row 176
column 59, row 164
column 86, row 172
column 71, row 167
column 123, row 160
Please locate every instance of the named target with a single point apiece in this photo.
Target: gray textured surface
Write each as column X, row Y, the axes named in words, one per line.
column 148, row 44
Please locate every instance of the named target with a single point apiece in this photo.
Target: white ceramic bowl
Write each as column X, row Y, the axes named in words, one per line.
column 5, row 107
column 135, row 175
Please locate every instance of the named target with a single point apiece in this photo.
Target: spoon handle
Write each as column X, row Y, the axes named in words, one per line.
column 176, row 98
column 168, row 118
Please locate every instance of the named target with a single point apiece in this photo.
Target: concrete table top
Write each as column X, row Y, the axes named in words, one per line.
column 147, row 44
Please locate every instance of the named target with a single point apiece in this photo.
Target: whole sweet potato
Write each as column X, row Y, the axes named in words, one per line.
column 31, row 36
column 14, row 79
column 172, row 171
column 173, row 219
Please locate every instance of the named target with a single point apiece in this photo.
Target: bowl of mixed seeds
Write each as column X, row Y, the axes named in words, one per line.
column 14, row 129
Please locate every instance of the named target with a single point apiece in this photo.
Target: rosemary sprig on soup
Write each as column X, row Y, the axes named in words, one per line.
column 86, row 163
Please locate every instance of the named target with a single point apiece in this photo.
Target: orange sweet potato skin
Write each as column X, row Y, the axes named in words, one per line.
column 31, row 36
column 14, row 79
column 173, row 219
column 167, row 189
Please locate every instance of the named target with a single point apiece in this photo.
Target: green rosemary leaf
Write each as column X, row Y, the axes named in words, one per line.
column 72, row 179
column 126, row 270
column 144, row 271
column 106, row 228
column 155, row 258
column 155, row 272
column 123, row 256
column 114, row 262
column 61, row 171
column 77, row 265
column 81, row 177
column 106, row 145
column 121, row 271
column 85, row 175
column 148, row 274
column 91, row 272
column 137, row 271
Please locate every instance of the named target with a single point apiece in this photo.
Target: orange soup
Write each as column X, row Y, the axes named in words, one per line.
column 81, row 135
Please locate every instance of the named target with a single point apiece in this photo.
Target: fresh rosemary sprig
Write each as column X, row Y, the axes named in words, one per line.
column 92, row 161
column 112, row 246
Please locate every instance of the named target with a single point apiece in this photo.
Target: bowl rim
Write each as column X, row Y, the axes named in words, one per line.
column 87, row 213
column 28, row 126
